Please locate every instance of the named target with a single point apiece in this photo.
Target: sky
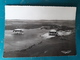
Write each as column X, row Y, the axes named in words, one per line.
column 40, row 12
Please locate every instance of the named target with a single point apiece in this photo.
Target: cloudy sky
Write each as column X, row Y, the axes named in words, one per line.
column 40, row 12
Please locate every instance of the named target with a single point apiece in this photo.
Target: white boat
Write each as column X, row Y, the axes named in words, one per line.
column 50, row 34
column 18, row 31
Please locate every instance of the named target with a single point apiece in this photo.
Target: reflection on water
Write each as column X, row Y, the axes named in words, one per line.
column 15, row 44
column 18, row 37
column 18, row 42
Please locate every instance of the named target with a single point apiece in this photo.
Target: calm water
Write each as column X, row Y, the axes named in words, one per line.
column 19, row 42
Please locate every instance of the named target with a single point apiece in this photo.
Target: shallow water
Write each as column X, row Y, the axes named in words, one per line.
column 19, row 42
